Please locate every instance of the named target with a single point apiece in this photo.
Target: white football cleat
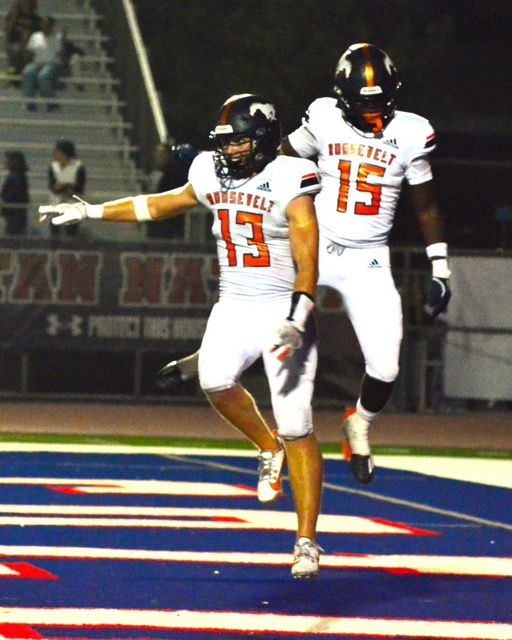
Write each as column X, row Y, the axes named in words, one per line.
column 269, row 473
column 306, row 558
column 356, row 431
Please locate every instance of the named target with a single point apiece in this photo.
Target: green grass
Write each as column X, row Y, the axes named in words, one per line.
column 139, row 441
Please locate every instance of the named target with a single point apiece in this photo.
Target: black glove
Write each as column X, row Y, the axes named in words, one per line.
column 438, row 296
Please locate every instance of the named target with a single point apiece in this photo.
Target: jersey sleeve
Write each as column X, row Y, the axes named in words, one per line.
column 303, row 142
column 297, row 177
column 419, row 169
column 201, row 166
column 303, row 139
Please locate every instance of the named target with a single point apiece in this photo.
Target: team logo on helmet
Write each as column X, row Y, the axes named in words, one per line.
column 344, row 67
column 267, row 109
column 388, row 63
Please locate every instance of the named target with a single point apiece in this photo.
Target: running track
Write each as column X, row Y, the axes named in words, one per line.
column 160, row 542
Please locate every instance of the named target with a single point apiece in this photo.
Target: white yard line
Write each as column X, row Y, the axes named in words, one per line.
column 489, row 471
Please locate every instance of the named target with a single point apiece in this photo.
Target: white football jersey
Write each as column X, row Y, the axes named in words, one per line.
column 362, row 175
column 251, row 227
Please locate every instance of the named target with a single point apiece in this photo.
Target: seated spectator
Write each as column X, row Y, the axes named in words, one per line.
column 69, row 52
column 45, row 68
column 15, row 192
column 20, row 23
column 66, row 178
column 172, row 163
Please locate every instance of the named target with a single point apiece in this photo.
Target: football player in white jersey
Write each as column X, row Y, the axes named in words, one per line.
column 266, row 230
column 365, row 150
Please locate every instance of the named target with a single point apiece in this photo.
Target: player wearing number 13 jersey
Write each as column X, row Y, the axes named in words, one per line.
column 266, row 230
column 366, row 150
column 251, row 226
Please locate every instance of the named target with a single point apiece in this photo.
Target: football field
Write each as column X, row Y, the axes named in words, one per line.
column 116, row 540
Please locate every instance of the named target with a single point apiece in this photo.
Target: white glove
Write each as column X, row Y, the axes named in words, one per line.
column 289, row 333
column 287, row 339
column 64, row 213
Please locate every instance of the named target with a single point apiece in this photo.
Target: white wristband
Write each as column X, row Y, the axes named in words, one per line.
column 94, row 210
column 437, row 250
column 140, row 205
column 440, row 268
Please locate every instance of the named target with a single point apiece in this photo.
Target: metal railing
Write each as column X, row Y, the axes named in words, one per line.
column 131, row 66
column 128, row 373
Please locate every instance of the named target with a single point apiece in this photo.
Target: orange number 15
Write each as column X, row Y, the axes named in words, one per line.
column 362, row 185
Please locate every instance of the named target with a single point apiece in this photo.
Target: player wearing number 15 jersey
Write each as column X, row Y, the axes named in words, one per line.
column 362, row 176
column 265, row 226
column 365, row 150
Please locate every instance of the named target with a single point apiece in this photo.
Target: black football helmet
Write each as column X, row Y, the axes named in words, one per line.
column 366, row 85
column 241, row 117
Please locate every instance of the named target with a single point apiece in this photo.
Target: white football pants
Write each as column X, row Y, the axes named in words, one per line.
column 237, row 333
column 363, row 279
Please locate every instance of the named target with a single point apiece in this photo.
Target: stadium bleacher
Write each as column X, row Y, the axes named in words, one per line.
column 90, row 113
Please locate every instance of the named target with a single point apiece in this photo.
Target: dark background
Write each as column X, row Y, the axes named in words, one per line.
column 453, row 59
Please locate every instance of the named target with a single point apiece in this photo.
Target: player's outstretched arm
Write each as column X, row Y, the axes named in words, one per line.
column 140, row 208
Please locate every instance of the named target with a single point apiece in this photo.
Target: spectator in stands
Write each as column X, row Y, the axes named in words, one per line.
column 172, row 163
column 45, row 68
column 69, row 53
column 20, row 23
column 15, row 194
column 66, row 178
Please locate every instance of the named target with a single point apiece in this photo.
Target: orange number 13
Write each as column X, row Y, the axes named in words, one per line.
column 254, row 220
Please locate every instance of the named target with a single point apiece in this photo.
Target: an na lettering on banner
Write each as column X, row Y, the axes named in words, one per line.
column 108, row 278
